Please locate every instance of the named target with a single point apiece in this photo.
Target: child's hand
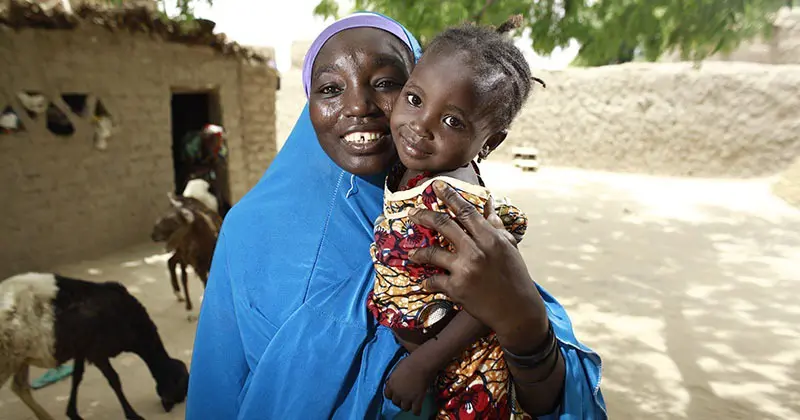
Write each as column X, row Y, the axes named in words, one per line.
column 408, row 384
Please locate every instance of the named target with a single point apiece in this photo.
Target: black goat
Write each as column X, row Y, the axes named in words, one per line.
column 48, row 319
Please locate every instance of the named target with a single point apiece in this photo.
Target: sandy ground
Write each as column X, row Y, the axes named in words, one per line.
column 687, row 288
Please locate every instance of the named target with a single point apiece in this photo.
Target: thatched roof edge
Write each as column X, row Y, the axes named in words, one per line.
column 20, row 14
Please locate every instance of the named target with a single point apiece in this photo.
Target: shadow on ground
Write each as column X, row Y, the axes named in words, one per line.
column 687, row 288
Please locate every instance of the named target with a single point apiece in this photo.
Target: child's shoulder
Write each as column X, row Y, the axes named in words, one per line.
column 465, row 174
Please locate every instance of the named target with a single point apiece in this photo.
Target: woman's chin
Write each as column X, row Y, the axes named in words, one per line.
column 367, row 165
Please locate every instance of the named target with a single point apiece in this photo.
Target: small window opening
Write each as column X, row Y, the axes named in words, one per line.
column 34, row 103
column 103, row 126
column 76, row 103
column 57, row 122
column 10, row 122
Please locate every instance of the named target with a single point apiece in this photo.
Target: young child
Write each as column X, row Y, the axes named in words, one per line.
column 463, row 94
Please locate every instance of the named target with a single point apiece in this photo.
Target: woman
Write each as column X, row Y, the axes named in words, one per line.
column 284, row 331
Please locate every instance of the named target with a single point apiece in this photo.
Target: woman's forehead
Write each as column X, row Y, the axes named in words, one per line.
column 366, row 46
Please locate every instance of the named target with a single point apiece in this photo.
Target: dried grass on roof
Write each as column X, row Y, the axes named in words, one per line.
column 20, row 14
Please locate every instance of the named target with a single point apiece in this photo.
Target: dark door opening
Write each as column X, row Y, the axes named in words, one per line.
column 191, row 111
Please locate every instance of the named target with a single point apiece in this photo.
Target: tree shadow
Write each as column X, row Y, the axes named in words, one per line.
column 690, row 302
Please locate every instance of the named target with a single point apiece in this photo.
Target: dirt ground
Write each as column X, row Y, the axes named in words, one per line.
column 687, row 288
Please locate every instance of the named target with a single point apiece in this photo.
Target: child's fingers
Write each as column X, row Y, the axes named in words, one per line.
column 387, row 392
column 490, row 214
column 417, row 406
column 406, row 405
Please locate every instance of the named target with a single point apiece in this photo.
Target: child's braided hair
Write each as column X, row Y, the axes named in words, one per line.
column 503, row 75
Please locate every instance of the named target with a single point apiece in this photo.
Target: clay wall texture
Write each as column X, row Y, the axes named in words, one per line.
column 721, row 120
column 64, row 200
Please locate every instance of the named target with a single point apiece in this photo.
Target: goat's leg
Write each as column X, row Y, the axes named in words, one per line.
column 22, row 387
column 113, row 379
column 172, row 264
column 185, row 282
column 77, row 377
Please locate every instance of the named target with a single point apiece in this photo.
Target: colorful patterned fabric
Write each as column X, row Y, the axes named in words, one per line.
column 475, row 385
column 205, row 147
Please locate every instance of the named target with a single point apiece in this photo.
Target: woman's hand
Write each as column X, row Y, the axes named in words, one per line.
column 490, row 280
column 487, row 274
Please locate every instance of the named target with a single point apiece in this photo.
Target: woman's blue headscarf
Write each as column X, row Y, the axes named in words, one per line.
column 290, row 278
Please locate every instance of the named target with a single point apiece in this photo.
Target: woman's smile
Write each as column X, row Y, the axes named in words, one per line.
column 366, row 141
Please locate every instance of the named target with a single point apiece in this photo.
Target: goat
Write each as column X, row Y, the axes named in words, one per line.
column 201, row 190
column 49, row 319
column 190, row 229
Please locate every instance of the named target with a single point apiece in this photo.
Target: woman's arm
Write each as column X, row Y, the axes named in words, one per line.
column 540, row 383
column 218, row 368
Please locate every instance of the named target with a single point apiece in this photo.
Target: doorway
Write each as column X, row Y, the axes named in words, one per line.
column 191, row 111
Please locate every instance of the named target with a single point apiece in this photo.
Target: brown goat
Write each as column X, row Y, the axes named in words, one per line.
column 190, row 229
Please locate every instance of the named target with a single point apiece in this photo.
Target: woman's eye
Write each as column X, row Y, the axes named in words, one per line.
column 413, row 99
column 453, row 121
column 329, row 90
column 386, row 84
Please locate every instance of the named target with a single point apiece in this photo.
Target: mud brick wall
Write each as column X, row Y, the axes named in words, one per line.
column 258, row 125
column 721, row 120
column 64, row 200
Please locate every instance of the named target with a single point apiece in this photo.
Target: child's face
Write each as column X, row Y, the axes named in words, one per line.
column 436, row 122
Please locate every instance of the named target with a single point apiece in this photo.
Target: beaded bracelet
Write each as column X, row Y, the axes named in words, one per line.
column 535, row 359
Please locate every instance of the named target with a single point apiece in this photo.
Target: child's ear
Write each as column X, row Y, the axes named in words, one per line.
column 493, row 142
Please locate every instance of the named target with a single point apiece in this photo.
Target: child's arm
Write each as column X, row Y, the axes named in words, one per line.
column 459, row 334
column 413, row 376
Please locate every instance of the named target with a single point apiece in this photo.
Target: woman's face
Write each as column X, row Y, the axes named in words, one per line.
column 354, row 83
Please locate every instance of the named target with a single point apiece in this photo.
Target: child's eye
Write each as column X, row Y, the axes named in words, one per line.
column 453, row 121
column 413, row 99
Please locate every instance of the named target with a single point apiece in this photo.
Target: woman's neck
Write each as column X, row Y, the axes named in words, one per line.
column 375, row 179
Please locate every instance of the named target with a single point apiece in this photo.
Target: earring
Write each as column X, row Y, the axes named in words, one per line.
column 484, row 153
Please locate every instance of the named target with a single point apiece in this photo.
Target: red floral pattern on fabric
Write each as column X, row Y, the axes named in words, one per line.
column 476, row 384
column 413, row 182
column 472, row 403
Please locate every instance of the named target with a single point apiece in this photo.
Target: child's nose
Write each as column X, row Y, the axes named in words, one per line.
column 420, row 129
